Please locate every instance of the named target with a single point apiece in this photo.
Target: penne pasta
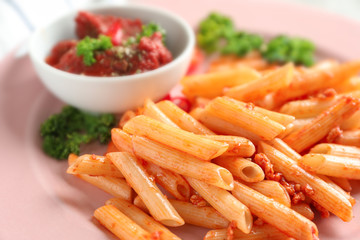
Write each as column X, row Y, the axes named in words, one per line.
column 342, row 182
column 241, row 168
column 275, row 80
column 182, row 119
column 238, row 146
column 263, row 232
column 351, row 138
column 311, row 81
column 221, row 126
column 119, row 224
column 352, row 122
column 330, row 165
column 313, row 132
column 284, row 148
column 141, row 218
column 272, row 189
column 121, row 140
column 182, row 163
column 193, row 144
column 336, row 150
column 303, row 209
column 72, row 158
column 94, row 165
column 139, row 180
column 111, row 147
column 117, row 187
column 152, row 110
column 140, row 204
column 276, row 214
column 203, row 216
column 206, row 217
column 337, row 188
column 244, row 117
column 283, row 119
column 323, row 193
column 172, row 182
column 210, row 85
column 225, row 203
column 126, row 117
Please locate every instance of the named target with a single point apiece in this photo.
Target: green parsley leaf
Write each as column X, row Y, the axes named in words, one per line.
column 87, row 47
column 285, row 49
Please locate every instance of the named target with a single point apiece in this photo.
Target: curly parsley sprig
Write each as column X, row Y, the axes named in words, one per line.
column 217, row 33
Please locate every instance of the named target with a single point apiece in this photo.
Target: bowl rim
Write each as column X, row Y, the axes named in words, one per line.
column 134, row 77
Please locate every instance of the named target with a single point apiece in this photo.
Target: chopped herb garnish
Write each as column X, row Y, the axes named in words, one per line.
column 217, row 33
column 149, row 29
column 285, row 49
column 87, row 47
column 63, row 133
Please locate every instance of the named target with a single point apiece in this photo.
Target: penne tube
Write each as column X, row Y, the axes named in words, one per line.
column 241, row 168
column 308, row 108
column 94, row 165
column 348, row 85
column 206, row 217
column 273, row 81
column 284, row 148
column 351, row 138
column 72, row 158
column 303, row 209
column 126, row 117
column 140, row 204
column 278, row 215
column 339, row 189
column 182, row 119
column 142, row 219
column 283, row 119
column 323, row 193
column 298, row 124
column 313, row 132
column 264, row 232
column 121, row 140
column 221, row 126
column 111, row 147
column 238, row 146
column 330, row 165
column 352, row 122
column 152, row 110
column 342, row 182
column 225, row 203
column 289, row 128
column 311, row 81
column 140, row 181
column 244, row 117
column 336, row 150
column 210, row 85
column 312, row 107
column 172, row 182
column 182, row 163
column 191, row 143
column 272, row 189
column 117, row 187
column 119, row 224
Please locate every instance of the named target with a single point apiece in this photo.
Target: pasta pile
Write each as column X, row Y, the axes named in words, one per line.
column 262, row 147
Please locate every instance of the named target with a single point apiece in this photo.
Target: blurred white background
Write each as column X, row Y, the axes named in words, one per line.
column 18, row 18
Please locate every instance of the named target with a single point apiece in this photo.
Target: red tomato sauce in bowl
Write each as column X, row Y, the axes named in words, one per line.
column 143, row 54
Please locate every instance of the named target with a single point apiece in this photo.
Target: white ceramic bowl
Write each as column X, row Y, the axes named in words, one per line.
column 113, row 94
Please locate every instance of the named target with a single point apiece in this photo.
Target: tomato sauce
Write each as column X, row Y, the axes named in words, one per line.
column 148, row 54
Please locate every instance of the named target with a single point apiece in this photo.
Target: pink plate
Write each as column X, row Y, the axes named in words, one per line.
column 39, row 201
